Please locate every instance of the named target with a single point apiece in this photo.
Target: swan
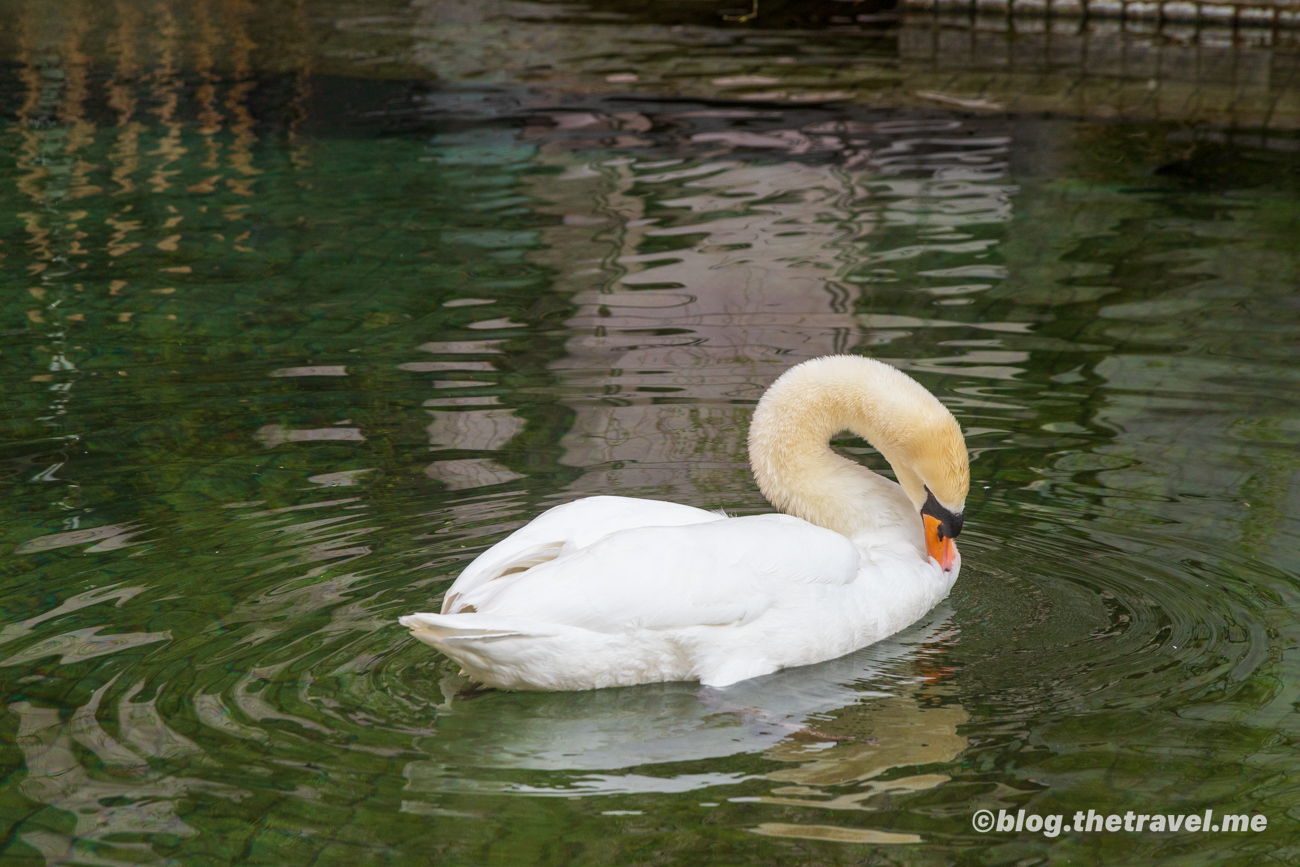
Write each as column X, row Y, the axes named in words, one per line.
column 614, row 591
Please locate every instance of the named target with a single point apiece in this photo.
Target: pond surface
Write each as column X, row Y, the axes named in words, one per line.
column 285, row 348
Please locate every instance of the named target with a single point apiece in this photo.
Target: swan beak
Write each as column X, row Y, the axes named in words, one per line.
column 938, row 544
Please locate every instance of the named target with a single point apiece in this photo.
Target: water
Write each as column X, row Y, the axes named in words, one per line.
column 293, row 333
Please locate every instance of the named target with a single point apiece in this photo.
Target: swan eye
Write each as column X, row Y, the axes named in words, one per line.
column 949, row 524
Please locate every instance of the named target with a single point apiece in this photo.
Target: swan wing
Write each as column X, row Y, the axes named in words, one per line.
column 720, row 572
column 572, row 526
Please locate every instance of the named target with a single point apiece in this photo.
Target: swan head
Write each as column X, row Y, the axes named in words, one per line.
column 933, row 468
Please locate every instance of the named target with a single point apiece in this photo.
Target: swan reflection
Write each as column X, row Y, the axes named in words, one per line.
column 846, row 722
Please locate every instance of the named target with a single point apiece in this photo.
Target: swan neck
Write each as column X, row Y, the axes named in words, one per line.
column 790, row 435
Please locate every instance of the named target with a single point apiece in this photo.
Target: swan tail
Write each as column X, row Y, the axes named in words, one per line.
column 491, row 649
column 517, row 653
column 439, row 629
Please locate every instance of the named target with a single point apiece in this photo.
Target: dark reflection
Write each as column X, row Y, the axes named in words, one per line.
column 775, row 15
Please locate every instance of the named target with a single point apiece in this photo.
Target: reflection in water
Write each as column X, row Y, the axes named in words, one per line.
column 838, row 738
column 667, row 318
column 627, row 728
column 894, row 732
column 275, row 370
column 145, row 800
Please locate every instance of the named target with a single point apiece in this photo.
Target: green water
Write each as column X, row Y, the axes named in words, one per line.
column 285, row 347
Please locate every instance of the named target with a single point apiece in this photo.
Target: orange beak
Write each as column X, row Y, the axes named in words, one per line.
column 940, row 547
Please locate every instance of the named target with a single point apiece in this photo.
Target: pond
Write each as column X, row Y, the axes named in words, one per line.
column 304, row 307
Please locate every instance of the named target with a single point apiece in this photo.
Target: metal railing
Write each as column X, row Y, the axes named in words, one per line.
column 1280, row 15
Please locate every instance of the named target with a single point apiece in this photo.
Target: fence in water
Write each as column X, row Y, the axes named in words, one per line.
column 1230, row 64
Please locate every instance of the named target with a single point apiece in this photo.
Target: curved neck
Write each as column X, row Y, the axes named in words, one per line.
column 789, row 441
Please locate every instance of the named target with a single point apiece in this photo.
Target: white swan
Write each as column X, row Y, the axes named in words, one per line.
column 613, row 591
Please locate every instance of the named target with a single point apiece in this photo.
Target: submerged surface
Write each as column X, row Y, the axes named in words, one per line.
column 284, row 350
